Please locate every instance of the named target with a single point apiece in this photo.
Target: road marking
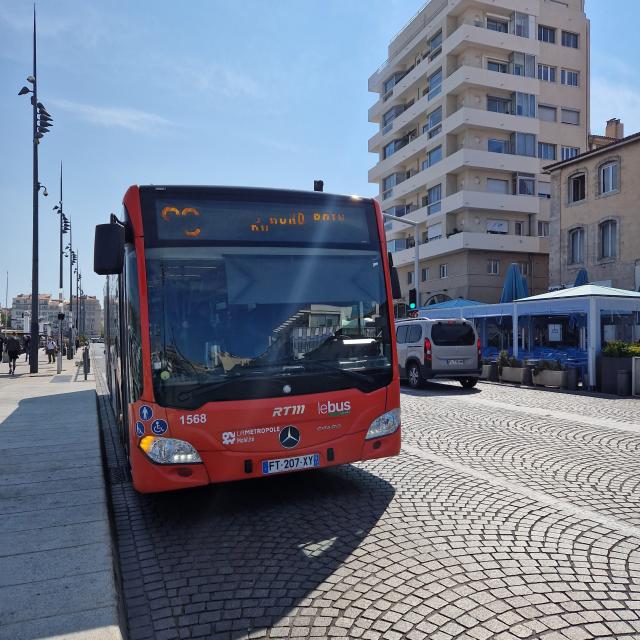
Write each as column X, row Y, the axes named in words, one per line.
column 538, row 496
column 609, row 423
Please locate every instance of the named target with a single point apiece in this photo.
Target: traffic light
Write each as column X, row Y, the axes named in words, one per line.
column 412, row 298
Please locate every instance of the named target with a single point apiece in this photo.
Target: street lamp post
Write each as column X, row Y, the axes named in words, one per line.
column 41, row 123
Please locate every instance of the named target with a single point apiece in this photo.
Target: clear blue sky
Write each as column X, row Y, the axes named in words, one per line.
column 268, row 93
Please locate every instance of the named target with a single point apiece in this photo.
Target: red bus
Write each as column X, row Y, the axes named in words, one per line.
column 248, row 332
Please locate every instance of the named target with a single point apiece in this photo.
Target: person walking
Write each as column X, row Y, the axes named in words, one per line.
column 26, row 341
column 51, row 349
column 13, row 349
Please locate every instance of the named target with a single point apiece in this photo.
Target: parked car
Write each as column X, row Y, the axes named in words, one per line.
column 438, row 349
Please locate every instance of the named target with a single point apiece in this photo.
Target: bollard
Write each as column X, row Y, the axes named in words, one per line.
column 624, row 383
column 85, row 362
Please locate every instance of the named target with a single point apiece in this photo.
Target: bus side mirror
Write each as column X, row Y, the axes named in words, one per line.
column 108, row 249
column 396, row 292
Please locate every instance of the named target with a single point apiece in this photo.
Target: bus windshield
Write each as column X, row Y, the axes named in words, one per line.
column 238, row 322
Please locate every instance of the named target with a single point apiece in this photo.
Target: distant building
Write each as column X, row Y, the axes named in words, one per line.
column 49, row 308
column 595, row 216
column 476, row 96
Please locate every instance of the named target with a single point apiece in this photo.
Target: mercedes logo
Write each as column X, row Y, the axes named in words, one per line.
column 289, row 437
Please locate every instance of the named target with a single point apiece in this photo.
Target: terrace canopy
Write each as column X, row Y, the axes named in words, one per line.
column 570, row 325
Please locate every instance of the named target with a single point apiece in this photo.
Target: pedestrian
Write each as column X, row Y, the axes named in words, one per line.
column 13, row 349
column 51, row 349
column 26, row 342
column 1, row 346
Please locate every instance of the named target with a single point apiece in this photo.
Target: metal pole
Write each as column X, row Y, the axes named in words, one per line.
column 71, row 345
column 35, row 329
column 61, row 226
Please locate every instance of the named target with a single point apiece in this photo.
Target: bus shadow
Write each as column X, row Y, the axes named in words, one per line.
column 242, row 556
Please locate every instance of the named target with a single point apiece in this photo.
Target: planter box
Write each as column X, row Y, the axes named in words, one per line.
column 608, row 372
column 486, row 372
column 548, row 378
column 518, row 375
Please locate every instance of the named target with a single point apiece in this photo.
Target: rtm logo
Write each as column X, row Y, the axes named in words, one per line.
column 293, row 410
column 334, row 408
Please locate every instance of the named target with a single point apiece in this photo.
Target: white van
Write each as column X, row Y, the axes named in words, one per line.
column 447, row 349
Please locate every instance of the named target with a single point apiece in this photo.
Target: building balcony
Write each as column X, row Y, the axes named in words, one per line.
column 466, row 77
column 471, row 241
column 483, row 119
column 478, row 35
column 402, row 124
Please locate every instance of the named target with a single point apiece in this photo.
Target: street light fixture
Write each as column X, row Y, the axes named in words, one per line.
column 42, row 123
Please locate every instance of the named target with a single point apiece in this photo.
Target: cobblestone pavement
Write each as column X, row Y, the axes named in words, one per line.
column 503, row 518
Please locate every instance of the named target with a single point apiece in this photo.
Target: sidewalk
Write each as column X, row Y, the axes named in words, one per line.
column 56, row 562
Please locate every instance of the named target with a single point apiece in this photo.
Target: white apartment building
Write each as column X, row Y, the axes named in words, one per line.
column 475, row 98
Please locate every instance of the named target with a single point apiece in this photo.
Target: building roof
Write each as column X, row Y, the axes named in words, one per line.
column 586, row 290
column 594, row 152
column 452, row 304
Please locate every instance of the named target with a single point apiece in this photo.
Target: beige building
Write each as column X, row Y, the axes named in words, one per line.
column 475, row 97
column 595, row 216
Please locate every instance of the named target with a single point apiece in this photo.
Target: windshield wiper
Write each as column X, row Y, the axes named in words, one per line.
column 205, row 389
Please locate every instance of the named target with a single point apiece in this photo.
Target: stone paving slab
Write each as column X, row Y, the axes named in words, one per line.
column 492, row 523
column 56, row 558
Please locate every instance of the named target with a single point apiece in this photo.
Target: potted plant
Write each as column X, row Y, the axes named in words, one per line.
column 511, row 369
column 616, row 356
column 486, row 369
column 549, row 373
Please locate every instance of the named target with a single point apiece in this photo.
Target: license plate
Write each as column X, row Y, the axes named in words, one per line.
column 455, row 361
column 291, row 464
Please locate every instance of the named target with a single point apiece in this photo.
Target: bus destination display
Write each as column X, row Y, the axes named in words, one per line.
column 275, row 222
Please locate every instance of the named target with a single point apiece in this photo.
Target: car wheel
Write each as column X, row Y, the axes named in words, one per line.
column 469, row 383
column 414, row 376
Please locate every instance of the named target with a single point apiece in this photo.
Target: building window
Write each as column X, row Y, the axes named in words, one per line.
column 434, row 156
column 523, row 144
column 523, row 64
column 524, row 104
column 524, row 184
column 608, row 239
column 519, row 229
column 495, row 24
column 570, row 116
column 570, row 78
column 435, row 84
column 500, row 227
column 576, row 246
column 424, row 274
column 577, row 188
column 498, row 146
column 546, row 34
column 544, row 189
column 498, row 105
column 546, row 113
column 543, row 229
column 524, row 268
column 433, row 126
column 434, row 199
column 409, row 277
column 435, row 46
column 609, row 177
column 493, row 267
column 494, row 185
column 546, row 73
column 520, row 24
column 389, row 149
column 443, row 270
column 434, row 232
column 498, row 65
column 569, row 39
column 569, row 152
column 546, row 151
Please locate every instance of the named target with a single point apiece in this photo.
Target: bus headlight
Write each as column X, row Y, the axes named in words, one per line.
column 384, row 425
column 169, row 450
